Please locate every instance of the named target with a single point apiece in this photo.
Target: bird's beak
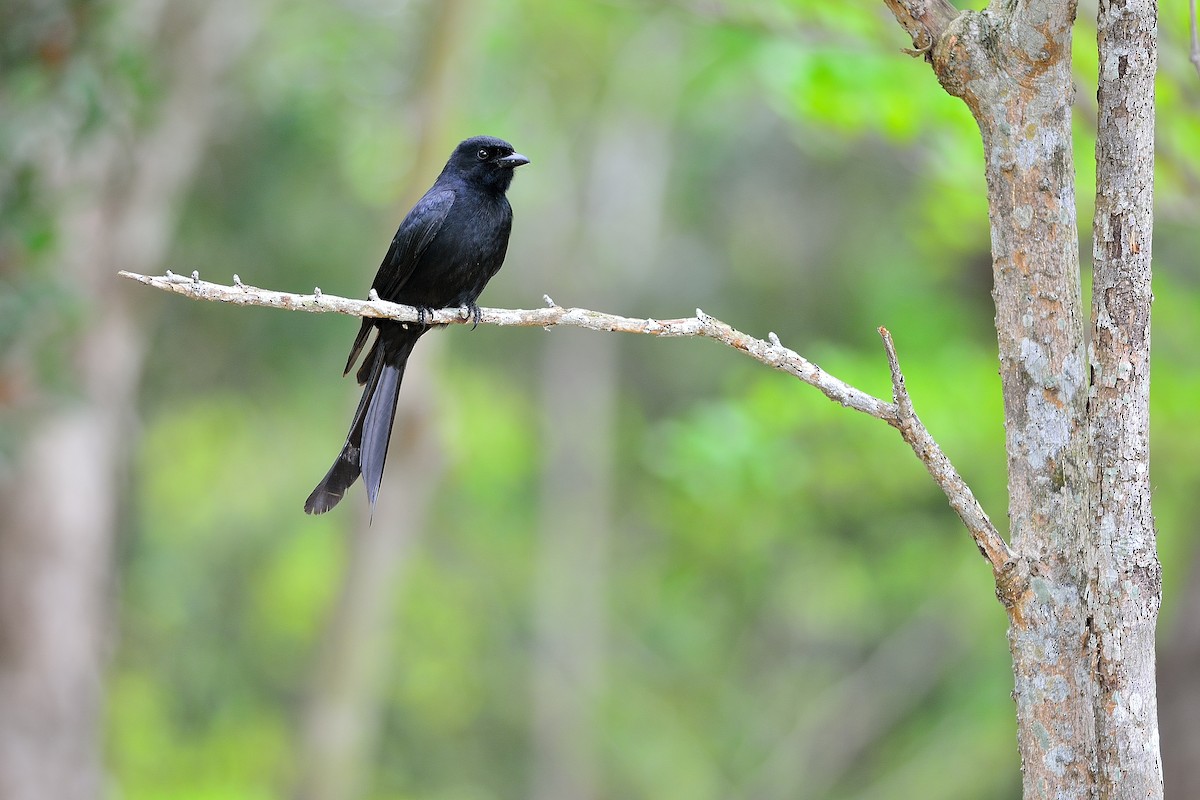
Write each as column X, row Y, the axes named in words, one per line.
column 512, row 161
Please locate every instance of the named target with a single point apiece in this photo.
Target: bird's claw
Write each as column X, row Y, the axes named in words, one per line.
column 472, row 312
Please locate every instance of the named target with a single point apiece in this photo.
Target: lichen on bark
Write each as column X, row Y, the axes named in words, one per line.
column 1083, row 592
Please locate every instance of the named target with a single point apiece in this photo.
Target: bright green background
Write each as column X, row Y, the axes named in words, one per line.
column 792, row 609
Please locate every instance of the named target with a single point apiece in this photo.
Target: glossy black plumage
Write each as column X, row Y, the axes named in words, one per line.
column 446, row 250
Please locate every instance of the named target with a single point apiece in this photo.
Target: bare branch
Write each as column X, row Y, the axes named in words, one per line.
column 701, row 325
column 771, row 352
column 989, row 541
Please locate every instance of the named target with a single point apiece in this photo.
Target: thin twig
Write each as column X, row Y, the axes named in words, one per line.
column 898, row 413
column 701, row 325
column 989, row 541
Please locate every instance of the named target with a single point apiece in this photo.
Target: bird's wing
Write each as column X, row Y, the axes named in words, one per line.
column 410, row 242
column 413, row 237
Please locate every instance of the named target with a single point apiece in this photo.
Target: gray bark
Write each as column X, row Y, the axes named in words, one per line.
column 1083, row 588
column 1125, row 578
column 1012, row 67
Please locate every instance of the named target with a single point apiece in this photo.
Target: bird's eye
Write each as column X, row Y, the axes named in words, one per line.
column 483, row 154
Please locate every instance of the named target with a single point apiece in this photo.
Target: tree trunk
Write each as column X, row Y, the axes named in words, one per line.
column 1013, row 69
column 1082, row 591
column 579, row 400
column 1125, row 578
column 118, row 191
column 631, row 159
column 339, row 724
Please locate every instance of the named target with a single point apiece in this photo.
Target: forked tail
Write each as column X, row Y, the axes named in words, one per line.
column 366, row 445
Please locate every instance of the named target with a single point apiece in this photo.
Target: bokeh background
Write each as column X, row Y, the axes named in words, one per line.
column 602, row 566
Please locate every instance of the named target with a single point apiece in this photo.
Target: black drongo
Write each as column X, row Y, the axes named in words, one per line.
column 446, row 250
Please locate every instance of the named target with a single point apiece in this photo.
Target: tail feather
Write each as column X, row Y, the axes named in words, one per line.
column 333, row 486
column 366, row 445
column 359, row 341
column 377, row 429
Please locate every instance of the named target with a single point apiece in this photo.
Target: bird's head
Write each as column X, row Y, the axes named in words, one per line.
column 486, row 161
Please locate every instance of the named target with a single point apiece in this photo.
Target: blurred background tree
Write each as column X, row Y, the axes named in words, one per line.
column 603, row 567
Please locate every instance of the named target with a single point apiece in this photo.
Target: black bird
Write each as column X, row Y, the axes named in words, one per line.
column 446, row 250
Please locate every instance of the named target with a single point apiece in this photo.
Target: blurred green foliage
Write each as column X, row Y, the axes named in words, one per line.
column 767, row 545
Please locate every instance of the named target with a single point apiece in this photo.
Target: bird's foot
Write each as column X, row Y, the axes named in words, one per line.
column 424, row 315
column 471, row 311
